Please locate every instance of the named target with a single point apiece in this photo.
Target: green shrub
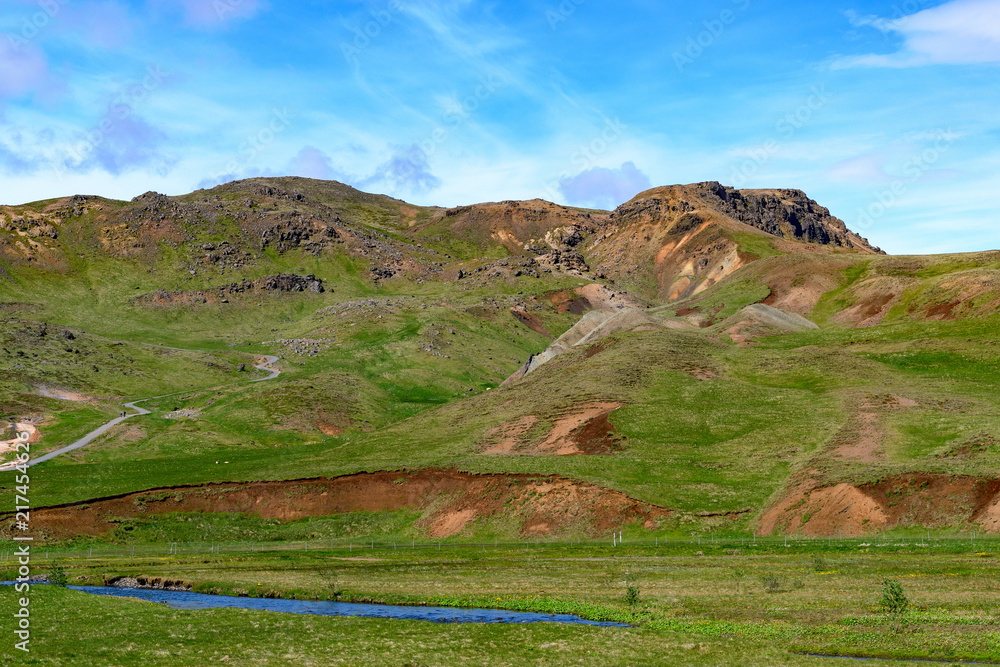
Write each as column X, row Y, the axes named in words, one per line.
column 894, row 600
column 57, row 575
column 772, row 584
column 819, row 563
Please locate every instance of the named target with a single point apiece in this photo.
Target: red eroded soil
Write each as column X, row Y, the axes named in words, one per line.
column 448, row 500
column 530, row 320
column 566, row 302
column 582, row 430
column 915, row 499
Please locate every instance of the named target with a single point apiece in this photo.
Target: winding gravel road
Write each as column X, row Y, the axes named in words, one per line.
column 267, row 366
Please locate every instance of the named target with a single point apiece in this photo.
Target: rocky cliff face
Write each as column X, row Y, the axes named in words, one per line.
column 676, row 241
column 787, row 214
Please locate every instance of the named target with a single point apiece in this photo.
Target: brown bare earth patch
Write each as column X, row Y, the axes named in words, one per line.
column 330, row 429
column 914, row 499
column 507, row 437
column 583, row 430
column 872, row 300
column 597, row 348
column 591, row 297
column 942, row 311
column 62, row 394
column 863, row 437
column 530, row 320
column 451, row 523
column 567, row 302
column 449, row 501
column 970, row 293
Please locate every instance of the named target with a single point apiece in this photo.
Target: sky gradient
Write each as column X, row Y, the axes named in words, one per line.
column 885, row 112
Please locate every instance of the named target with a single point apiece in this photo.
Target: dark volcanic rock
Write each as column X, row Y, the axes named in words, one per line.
column 783, row 213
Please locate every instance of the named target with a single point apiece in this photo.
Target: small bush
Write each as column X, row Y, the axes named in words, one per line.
column 819, row 564
column 57, row 575
column 772, row 584
column 894, row 600
column 632, row 595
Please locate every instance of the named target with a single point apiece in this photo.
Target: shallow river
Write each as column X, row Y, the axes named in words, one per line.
column 182, row 600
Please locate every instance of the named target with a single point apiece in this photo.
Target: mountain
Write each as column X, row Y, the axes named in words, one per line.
column 699, row 358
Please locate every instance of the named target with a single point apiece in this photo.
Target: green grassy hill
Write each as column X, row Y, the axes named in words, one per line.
column 396, row 326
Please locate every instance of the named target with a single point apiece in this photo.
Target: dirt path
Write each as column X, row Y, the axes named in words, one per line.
column 268, row 365
column 87, row 439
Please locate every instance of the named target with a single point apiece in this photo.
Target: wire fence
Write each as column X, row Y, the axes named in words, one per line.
column 971, row 541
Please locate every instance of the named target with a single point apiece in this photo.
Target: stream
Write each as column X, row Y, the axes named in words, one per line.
column 185, row 600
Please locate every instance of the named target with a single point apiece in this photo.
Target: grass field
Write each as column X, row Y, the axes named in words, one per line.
column 764, row 412
column 714, row 603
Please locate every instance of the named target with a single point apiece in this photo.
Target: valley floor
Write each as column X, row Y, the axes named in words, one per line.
column 708, row 604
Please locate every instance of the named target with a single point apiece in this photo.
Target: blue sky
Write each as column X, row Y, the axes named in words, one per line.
column 886, row 112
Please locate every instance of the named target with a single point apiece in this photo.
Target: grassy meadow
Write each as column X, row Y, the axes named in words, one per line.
column 713, row 603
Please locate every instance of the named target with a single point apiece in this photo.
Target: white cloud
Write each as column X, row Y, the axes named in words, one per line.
column 23, row 68
column 311, row 162
column 604, row 188
column 863, row 169
column 959, row 32
column 213, row 14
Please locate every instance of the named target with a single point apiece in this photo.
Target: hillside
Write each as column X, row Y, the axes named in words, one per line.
column 699, row 359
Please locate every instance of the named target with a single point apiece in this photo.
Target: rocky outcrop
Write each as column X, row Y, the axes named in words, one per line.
column 281, row 283
column 532, row 227
column 572, row 263
column 784, row 213
column 147, row 583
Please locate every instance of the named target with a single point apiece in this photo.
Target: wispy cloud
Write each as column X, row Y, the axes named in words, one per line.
column 955, row 33
column 604, row 188
column 862, row 169
column 407, row 170
column 14, row 162
column 311, row 162
column 24, row 69
column 212, row 14
column 132, row 143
